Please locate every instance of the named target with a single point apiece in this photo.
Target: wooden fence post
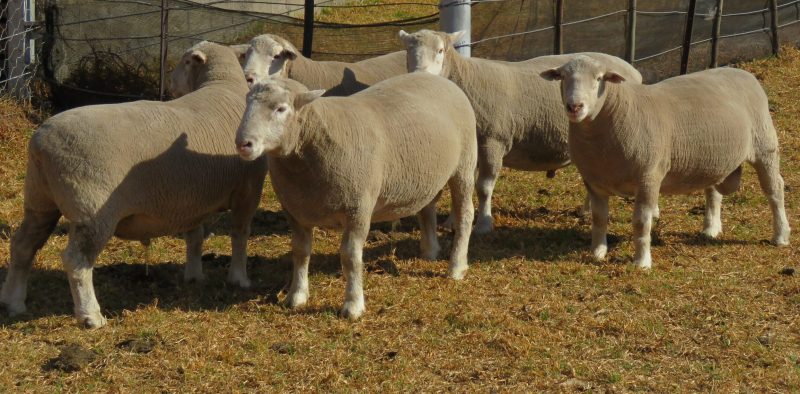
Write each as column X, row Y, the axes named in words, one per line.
column 630, row 54
column 687, row 37
column 558, row 44
column 773, row 8
column 308, row 28
column 715, row 33
column 162, row 86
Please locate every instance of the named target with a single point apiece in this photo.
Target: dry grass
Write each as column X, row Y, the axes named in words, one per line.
column 389, row 10
column 534, row 314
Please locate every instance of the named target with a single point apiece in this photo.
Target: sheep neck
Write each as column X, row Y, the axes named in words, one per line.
column 456, row 66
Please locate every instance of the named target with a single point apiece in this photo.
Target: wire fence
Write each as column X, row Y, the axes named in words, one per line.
column 17, row 56
column 117, row 50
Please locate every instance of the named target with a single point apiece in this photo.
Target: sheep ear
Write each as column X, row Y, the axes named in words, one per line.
column 552, row 75
column 289, row 53
column 454, row 37
column 306, row 97
column 199, row 57
column 241, row 51
column 404, row 37
column 613, row 77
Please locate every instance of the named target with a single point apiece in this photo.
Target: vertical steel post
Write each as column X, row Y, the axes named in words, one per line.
column 715, row 34
column 558, row 38
column 162, row 89
column 630, row 53
column 773, row 22
column 687, row 37
column 456, row 15
column 308, row 28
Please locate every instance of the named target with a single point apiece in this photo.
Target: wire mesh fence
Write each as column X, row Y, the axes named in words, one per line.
column 17, row 48
column 110, row 50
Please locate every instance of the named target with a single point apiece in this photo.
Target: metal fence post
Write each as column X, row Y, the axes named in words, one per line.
column 162, row 86
column 773, row 8
column 308, row 28
column 558, row 37
column 715, row 34
column 687, row 37
column 456, row 15
column 630, row 54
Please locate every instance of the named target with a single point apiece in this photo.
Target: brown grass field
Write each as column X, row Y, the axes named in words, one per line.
column 535, row 313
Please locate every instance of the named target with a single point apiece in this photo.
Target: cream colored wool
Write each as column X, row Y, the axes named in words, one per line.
column 379, row 155
column 520, row 121
column 269, row 55
column 687, row 133
column 139, row 170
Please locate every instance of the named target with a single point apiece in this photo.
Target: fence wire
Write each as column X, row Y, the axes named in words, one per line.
column 17, row 55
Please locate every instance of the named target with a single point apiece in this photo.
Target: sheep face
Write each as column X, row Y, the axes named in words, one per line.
column 186, row 75
column 271, row 106
column 583, row 82
column 267, row 56
column 426, row 50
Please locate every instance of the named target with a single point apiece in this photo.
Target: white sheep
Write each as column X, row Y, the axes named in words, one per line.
column 683, row 134
column 520, row 125
column 269, row 55
column 139, row 170
column 379, row 155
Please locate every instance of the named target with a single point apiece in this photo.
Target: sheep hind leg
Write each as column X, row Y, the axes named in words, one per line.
column 193, row 270
column 771, row 182
column 301, row 255
column 32, row 234
column 85, row 244
column 429, row 243
column 461, row 188
column 712, row 222
column 643, row 210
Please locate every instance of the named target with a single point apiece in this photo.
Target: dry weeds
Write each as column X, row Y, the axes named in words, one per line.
column 533, row 314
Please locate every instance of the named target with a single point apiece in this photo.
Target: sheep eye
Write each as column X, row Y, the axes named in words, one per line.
column 281, row 110
column 441, row 51
column 278, row 56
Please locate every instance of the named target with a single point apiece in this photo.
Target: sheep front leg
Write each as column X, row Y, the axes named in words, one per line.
column 644, row 208
column 490, row 161
column 461, row 188
column 301, row 255
column 85, row 243
column 712, row 221
column 355, row 234
column 193, row 271
column 599, row 207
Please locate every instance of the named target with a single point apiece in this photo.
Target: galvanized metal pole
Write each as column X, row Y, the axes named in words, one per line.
column 558, row 38
column 456, row 15
column 630, row 53
column 687, row 37
column 308, row 28
column 715, row 34
column 162, row 89
column 773, row 21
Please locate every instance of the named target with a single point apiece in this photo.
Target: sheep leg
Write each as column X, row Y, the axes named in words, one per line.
column 237, row 272
column 599, row 206
column 643, row 210
column 712, row 222
column 771, row 182
column 353, row 238
column 85, row 243
column 301, row 255
column 461, row 187
column 32, row 234
column 193, row 271
column 490, row 161
column 429, row 243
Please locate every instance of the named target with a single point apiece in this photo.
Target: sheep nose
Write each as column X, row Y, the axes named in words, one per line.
column 574, row 108
column 250, row 79
column 245, row 148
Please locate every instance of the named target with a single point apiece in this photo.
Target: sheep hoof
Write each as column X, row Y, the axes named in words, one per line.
column 14, row 308
column 457, row 272
column 484, row 225
column 448, row 224
column 295, row 299
column 92, row 321
column 644, row 263
column 193, row 277
column 352, row 310
column 432, row 254
column 712, row 232
column 240, row 280
column 782, row 240
column 600, row 252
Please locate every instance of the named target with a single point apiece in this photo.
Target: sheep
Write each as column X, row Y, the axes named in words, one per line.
column 269, row 55
column 519, row 123
column 139, row 170
column 379, row 155
column 683, row 134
